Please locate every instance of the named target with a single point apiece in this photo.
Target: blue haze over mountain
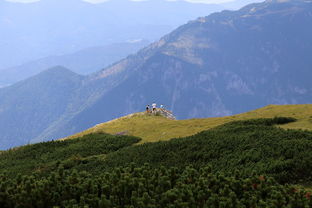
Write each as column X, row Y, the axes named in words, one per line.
column 83, row 62
column 56, row 27
column 222, row 64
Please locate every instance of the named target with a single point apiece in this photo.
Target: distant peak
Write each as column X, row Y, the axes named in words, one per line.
column 276, row 1
column 286, row 1
column 59, row 70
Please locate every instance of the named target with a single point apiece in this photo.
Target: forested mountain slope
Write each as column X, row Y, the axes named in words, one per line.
column 30, row 106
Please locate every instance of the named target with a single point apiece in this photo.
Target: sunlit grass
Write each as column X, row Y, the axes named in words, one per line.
column 157, row 128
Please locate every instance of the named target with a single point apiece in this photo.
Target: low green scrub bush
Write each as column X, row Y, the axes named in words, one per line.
column 252, row 145
column 147, row 187
column 42, row 156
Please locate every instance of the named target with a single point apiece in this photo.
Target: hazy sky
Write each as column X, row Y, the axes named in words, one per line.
column 99, row 1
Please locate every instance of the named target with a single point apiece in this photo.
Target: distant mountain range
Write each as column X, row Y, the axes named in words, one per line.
column 222, row 64
column 57, row 27
column 82, row 62
column 237, row 4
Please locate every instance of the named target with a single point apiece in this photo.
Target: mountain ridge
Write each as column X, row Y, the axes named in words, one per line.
column 34, row 110
column 83, row 62
column 50, row 34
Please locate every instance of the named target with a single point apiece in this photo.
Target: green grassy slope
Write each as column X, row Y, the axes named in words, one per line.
column 155, row 128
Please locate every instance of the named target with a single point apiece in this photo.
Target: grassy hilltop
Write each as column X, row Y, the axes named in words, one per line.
column 157, row 128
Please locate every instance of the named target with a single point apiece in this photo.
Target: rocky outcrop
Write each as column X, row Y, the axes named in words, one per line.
column 165, row 113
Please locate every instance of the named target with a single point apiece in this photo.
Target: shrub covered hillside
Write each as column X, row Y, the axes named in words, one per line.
column 252, row 145
column 146, row 187
column 42, row 157
column 228, row 166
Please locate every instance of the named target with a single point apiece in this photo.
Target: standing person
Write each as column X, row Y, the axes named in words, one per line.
column 154, row 107
column 147, row 109
column 161, row 106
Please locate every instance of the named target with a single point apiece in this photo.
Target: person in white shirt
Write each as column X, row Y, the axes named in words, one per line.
column 154, row 107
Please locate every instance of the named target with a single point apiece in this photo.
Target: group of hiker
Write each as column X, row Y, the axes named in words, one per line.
column 152, row 109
